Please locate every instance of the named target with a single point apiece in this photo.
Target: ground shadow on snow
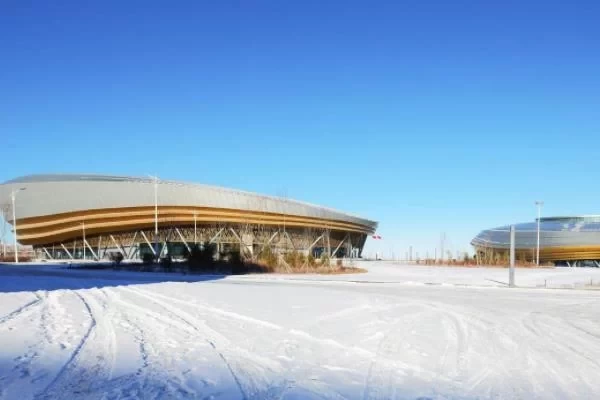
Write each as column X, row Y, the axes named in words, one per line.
column 20, row 278
column 24, row 378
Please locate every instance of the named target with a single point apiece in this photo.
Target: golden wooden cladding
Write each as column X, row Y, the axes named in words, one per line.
column 570, row 253
column 59, row 227
column 561, row 253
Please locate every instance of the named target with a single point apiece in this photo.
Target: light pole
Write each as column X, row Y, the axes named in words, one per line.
column 13, row 195
column 83, row 233
column 4, row 216
column 155, row 179
column 539, row 205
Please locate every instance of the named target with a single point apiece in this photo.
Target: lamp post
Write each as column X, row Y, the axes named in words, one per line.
column 539, row 205
column 13, row 195
column 4, row 212
column 83, row 234
column 155, row 179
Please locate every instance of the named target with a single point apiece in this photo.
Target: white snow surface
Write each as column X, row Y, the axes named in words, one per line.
column 396, row 332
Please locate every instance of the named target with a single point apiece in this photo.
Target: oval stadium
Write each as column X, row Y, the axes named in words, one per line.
column 95, row 216
column 569, row 241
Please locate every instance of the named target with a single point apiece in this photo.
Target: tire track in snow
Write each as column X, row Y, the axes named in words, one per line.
column 580, row 329
column 218, row 311
column 272, row 391
column 465, row 324
column 142, row 380
column 22, row 368
column 138, row 381
column 104, row 325
column 192, row 322
column 141, row 337
column 151, row 379
column 155, row 315
column 550, row 334
column 45, row 393
column 461, row 344
column 541, row 344
column 379, row 383
column 19, row 311
column 381, row 375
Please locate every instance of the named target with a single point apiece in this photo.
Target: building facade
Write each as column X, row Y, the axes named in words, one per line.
column 570, row 241
column 94, row 216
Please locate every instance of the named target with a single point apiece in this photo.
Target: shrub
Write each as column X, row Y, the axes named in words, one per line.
column 269, row 258
column 116, row 258
column 325, row 259
column 301, row 259
column 147, row 258
column 166, row 263
column 237, row 263
column 293, row 259
column 202, row 258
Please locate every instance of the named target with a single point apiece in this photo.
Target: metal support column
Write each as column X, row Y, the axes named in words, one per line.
column 47, row 253
column 68, row 252
column 85, row 243
column 118, row 246
column 313, row 243
column 511, row 272
column 339, row 245
column 183, row 240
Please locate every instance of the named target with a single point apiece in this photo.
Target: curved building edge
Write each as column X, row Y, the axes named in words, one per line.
column 562, row 240
column 58, row 211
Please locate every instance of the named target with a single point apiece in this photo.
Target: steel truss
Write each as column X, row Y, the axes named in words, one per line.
column 251, row 240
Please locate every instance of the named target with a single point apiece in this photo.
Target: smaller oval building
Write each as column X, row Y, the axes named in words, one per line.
column 571, row 241
column 93, row 216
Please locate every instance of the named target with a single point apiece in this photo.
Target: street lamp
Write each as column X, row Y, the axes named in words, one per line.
column 13, row 195
column 155, row 179
column 4, row 216
column 539, row 205
column 83, row 235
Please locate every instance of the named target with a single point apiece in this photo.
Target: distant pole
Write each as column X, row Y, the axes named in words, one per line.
column 156, row 213
column 13, row 195
column 155, row 179
column 83, row 230
column 539, row 205
column 511, row 271
column 195, row 241
column 442, row 239
column 3, row 232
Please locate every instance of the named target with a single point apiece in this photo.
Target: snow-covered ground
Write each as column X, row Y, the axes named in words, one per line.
column 380, row 335
column 390, row 272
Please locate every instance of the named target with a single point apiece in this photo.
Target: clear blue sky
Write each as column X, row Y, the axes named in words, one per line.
column 426, row 116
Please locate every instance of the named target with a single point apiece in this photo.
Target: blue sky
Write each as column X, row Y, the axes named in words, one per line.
column 426, row 116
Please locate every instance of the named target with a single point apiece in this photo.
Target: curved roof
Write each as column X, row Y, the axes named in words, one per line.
column 554, row 232
column 50, row 194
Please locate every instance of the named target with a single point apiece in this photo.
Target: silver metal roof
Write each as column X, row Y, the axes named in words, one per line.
column 554, row 232
column 49, row 194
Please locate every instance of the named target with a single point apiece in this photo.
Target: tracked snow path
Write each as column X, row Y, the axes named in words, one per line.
column 242, row 338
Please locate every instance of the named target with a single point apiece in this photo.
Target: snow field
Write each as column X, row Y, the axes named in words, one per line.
column 254, row 338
